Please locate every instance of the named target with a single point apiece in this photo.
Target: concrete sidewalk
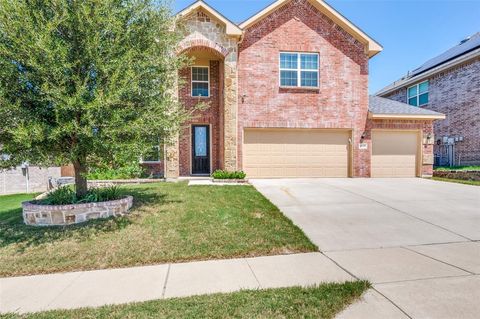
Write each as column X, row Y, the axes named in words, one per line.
column 117, row 286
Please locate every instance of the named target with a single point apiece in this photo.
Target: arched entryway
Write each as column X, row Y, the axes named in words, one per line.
column 201, row 139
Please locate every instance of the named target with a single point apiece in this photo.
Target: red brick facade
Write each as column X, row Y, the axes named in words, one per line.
column 211, row 116
column 154, row 169
column 340, row 102
column 456, row 93
column 342, row 98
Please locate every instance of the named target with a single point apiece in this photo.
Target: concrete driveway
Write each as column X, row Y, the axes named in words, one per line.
column 416, row 240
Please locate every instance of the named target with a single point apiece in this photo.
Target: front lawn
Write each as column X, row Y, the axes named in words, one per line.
column 170, row 222
column 9, row 203
column 323, row 301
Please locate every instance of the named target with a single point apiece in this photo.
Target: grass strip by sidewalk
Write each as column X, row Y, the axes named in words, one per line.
column 170, row 222
column 323, row 301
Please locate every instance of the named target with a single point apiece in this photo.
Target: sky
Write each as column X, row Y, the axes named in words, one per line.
column 411, row 32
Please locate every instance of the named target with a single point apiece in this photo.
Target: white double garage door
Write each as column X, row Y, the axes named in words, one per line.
column 277, row 153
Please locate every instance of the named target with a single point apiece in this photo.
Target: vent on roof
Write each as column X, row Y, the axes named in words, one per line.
column 465, row 40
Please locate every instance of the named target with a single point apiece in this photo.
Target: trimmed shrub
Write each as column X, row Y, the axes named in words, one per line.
column 221, row 174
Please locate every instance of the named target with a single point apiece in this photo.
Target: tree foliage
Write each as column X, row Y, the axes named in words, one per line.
column 86, row 81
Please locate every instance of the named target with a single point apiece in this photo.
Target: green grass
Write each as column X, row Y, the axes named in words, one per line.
column 323, row 301
column 457, row 168
column 170, row 222
column 459, row 181
column 12, row 202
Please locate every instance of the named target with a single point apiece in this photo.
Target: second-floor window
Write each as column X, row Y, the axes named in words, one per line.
column 298, row 69
column 418, row 94
column 200, row 81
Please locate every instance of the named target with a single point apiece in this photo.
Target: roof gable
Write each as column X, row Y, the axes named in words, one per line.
column 231, row 28
column 373, row 47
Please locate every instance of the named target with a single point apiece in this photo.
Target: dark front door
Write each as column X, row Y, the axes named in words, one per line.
column 200, row 149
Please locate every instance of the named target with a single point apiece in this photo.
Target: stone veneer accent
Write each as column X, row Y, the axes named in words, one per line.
column 58, row 215
column 252, row 97
column 204, row 32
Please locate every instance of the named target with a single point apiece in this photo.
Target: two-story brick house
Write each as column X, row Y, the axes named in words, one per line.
column 450, row 84
column 288, row 96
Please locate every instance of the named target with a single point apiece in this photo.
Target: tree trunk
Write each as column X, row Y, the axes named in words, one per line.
column 81, row 186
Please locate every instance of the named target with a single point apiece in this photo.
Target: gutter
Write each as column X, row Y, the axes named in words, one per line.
column 384, row 116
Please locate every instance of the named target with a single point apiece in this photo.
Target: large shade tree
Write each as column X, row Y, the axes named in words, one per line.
column 86, row 81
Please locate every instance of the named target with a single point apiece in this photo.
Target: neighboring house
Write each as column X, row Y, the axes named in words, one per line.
column 450, row 84
column 27, row 179
column 288, row 95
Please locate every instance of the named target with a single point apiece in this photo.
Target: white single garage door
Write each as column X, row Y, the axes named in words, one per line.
column 395, row 153
column 270, row 153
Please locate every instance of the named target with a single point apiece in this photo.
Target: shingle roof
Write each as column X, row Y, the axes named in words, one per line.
column 383, row 106
column 464, row 47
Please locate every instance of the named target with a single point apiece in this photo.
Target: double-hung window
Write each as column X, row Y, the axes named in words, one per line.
column 299, row 69
column 200, row 81
column 418, row 94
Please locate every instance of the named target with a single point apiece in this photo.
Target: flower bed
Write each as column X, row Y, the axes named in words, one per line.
column 231, row 181
column 458, row 174
column 58, row 215
column 228, row 175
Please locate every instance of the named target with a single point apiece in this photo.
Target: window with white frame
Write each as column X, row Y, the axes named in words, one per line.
column 299, row 69
column 200, row 81
column 418, row 94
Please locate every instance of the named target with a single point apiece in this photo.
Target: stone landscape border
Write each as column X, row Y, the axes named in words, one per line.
column 61, row 215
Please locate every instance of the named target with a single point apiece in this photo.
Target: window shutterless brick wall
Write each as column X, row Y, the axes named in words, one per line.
column 456, row 93
column 211, row 116
column 341, row 101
